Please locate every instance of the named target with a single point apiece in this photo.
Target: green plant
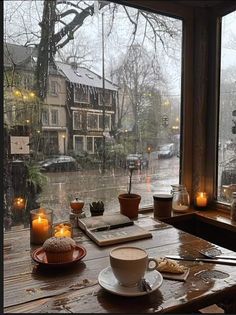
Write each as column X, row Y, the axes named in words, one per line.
column 97, row 207
column 35, row 179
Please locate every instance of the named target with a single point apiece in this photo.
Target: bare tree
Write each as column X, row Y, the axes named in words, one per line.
column 137, row 75
column 52, row 41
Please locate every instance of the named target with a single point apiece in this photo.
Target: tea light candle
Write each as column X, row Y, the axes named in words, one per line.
column 40, row 229
column 180, row 207
column 61, row 230
column 201, row 199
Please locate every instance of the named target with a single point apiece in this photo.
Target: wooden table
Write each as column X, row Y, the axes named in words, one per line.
column 29, row 289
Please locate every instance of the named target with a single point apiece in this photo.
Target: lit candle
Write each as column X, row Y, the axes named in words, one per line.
column 64, row 231
column 201, row 199
column 40, row 229
column 180, row 207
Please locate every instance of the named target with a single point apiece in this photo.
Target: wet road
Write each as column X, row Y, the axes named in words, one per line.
column 92, row 186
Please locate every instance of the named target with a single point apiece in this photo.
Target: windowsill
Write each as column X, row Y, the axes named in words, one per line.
column 218, row 218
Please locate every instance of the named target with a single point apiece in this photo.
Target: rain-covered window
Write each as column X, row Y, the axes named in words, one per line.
column 227, row 113
column 107, row 98
column 107, row 122
column 77, row 120
column 92, row 120
column 54, row 88
column 90, row 49
column 78, row 143
column 54, row 116
column 45, row 117
column 81, row 95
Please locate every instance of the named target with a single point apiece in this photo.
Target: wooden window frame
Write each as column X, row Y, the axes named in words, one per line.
column 199, row 90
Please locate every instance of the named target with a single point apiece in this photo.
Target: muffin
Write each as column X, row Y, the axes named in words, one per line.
column 59, row 249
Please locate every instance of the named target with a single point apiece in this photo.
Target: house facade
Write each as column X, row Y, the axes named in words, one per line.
column 71, row 117
column 87, row 104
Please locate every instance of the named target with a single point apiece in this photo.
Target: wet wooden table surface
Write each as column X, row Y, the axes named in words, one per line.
column 31, row 289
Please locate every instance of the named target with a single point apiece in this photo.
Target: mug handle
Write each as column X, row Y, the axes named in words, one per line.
column 150, row 259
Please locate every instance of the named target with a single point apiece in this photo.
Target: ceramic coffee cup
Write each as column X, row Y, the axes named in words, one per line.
column 129, row 264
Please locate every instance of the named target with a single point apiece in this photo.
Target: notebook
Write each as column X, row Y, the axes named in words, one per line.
column 112, row 229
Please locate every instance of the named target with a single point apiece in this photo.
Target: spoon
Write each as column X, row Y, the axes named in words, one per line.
column 144, row 285
column 214, row 253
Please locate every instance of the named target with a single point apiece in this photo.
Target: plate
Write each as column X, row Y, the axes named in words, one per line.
column 39, row 256
column 107, row 280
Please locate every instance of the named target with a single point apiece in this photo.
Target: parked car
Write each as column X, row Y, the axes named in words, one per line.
column 166, row 150
column 61, row 163
column 228, row 175
column 138, row 161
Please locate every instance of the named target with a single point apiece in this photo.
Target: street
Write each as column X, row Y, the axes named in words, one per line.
column 93, row 186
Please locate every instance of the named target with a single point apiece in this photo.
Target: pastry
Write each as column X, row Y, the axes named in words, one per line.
column 59, row 249
column 169, row 265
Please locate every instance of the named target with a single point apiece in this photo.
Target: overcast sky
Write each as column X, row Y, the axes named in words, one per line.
column 19, row 14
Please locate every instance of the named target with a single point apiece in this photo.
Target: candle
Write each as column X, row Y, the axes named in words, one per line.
column 63, row 232
column 63, row 229
column 180, row 207
column 201, row 199
column 40, row 229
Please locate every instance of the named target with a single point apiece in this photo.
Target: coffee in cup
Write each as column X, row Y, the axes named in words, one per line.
column 129, row 264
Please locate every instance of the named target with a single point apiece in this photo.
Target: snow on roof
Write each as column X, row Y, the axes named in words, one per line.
column 81, row 75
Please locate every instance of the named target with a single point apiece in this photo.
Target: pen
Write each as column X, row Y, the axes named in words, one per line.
column 111, row 227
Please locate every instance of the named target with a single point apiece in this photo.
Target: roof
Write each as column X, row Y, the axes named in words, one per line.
column 22, row 56
column 84, row 76
column 17, row 54
column 27, row 57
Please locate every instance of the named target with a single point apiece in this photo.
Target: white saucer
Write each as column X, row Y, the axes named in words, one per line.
column 108, row 281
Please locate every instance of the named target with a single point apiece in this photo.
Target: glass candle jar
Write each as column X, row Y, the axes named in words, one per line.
column 40, row 225
column 201, row 200
column 63, row 229
column 180, row 201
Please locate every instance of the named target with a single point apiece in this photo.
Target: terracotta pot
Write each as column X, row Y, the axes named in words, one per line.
column 129, row 205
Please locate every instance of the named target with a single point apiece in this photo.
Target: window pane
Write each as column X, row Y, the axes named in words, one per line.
column 227, row 113
column 142, row 105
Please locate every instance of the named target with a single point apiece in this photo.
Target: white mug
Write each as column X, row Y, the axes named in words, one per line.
column 129, row 264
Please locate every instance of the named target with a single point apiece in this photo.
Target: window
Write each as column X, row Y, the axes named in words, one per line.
column 54, row 116
column 45, row 117
column 142, row 84
column 227, row 112
column 92, row 121
column 107, row 122
column 78, row 144
column 77, row 120
column 89, row 144
column 81, row 94
column 54, row 88
column 108, row 98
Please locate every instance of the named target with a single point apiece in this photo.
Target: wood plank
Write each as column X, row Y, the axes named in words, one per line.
column 30, row 289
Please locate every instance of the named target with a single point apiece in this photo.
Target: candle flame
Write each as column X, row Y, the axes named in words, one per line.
column 39, row 219
column 62, row 231
column 201, row 194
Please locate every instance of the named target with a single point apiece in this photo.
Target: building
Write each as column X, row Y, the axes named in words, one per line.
column 85, row 107
column 71, row 117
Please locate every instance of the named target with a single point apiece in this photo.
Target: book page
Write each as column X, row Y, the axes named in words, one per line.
column 119, row 235
column 103, row 220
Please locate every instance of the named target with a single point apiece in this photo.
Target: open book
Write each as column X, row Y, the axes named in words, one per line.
column 111, row 229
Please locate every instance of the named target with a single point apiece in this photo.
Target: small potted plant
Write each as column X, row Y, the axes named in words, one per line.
column 96, row 208
column 129, row 202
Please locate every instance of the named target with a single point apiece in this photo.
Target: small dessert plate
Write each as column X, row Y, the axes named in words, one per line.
column 39, row 256
column 108, row 281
